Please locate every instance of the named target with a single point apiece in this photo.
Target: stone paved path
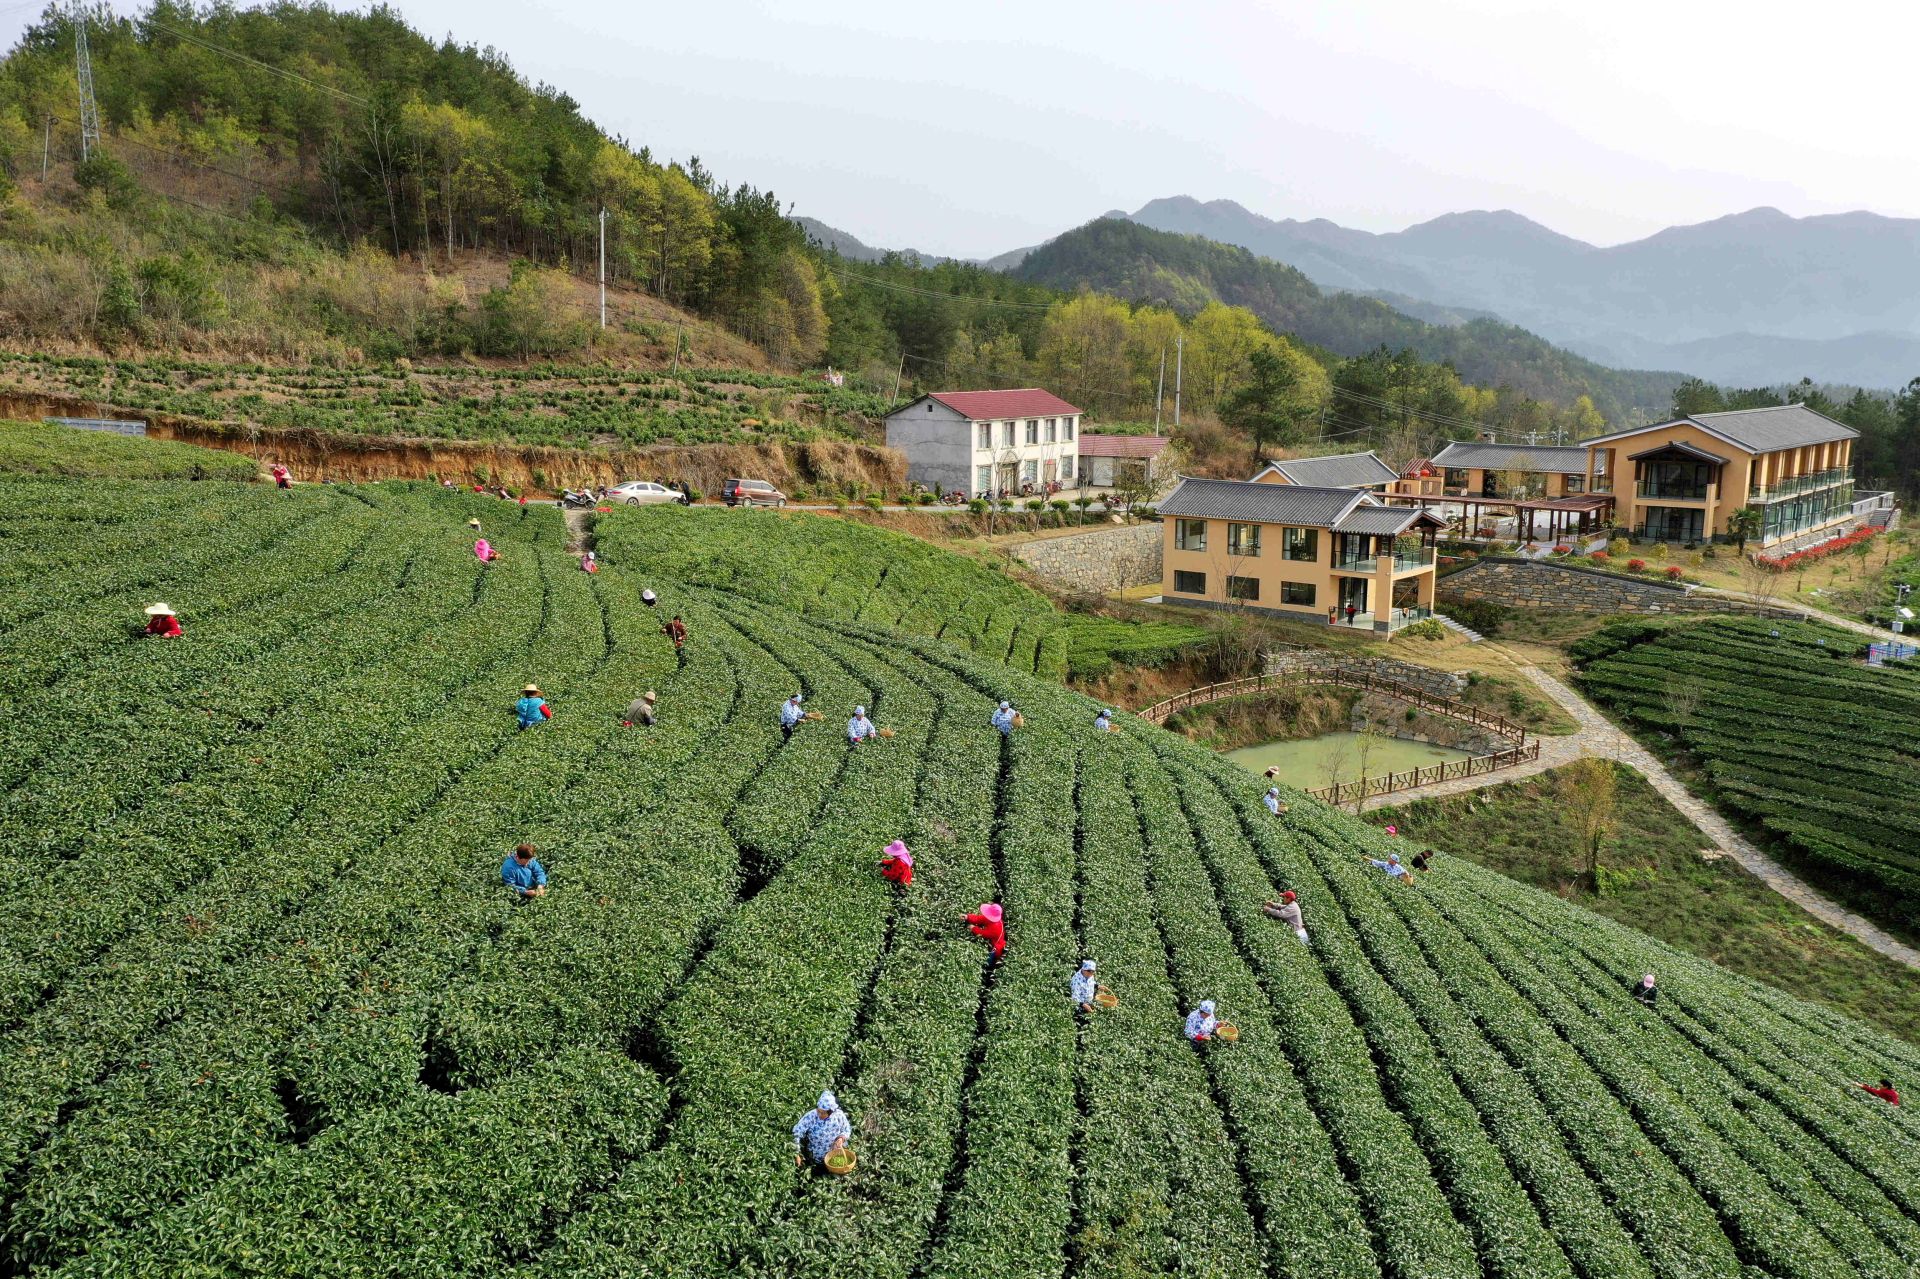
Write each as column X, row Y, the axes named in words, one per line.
column 1599, row 736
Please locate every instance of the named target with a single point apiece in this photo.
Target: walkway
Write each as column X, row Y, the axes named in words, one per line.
column 1599, row 736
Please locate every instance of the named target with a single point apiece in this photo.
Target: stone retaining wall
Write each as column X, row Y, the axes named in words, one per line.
column 1097, row 561
column 1424, row 678
column 1379, row 713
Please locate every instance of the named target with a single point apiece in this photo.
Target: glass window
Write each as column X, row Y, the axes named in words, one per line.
column 1006, row 435
column 1243, row 588
column 1066, row 467
column 1033, row 430
column 1243, row 539
column 1187, row 583
column 1189, row 535
column 1300, row 544
column 1576, row 484
column 1030, row 470
column 1297, row 593
column 986, row 435
column 1068, row 423
column 1053, row 429
column 982, row 479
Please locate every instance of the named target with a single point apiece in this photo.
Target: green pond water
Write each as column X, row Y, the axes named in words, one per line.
column 1304, row 764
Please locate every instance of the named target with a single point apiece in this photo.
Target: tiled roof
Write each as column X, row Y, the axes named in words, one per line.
column 1336, row 471
column 1508, row 457
column 1384, row 520
column 980, row 406
column 1296, row 504
column 1122, row 445
column 1755, row 430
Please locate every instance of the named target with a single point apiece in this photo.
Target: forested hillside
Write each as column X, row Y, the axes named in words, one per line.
column 1186, row 272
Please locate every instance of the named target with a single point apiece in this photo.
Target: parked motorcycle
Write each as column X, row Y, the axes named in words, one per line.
column 573, row 501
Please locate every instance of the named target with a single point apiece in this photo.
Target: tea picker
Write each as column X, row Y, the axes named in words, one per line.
column 532, row 708
column 1201, row 1023
column 1392, row 866
column 1004, row 717
column 821, row 1132
column 791, row 713
column 676, row 630
column 1103, row 722
column 896, row 864
column 860, row 728
column 1084, row 988
column 162, row 623
column 1645, row 991
column 640, row 710
column 1287, row 911
column 989, row 923
column 1273, row 802
column 523, row 873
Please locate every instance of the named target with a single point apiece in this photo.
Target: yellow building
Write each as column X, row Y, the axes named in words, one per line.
column 1467, row 470
column 1680, row 481
column 1330, row 471
column 1297, row 550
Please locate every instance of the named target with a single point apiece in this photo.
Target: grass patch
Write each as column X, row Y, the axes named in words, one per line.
column 44, row 448
column 1288, row 714
column 1519, row 701
column 1658, row 882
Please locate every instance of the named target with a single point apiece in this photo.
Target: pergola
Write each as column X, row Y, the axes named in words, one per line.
column 1579, row 513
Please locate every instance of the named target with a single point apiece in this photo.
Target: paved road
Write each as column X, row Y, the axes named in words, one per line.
column 1599, row 736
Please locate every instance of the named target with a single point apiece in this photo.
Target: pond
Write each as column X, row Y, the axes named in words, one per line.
column 1304, row 763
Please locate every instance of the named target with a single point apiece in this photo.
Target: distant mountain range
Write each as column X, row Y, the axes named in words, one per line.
column 1754, row 298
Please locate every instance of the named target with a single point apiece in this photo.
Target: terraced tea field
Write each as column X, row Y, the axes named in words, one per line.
column 266, row 1009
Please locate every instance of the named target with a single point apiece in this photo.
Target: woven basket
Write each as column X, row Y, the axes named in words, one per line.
column 883, row 732
column 839, row 1162
column 1019, row 720
column 1228, row 1032
column 1105, row 998
column 812, row 715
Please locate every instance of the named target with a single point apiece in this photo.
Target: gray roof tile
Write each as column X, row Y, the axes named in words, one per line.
column 1295, row 504
column 1755, row 430
column 1504, row 457
column 1383, row 520
column 1338, row 470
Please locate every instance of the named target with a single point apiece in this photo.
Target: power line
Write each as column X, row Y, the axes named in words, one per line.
column 935, row 293
column 264, row 66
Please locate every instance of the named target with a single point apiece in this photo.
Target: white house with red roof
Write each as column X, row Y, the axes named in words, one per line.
column 1103, row 457
column 983, row 442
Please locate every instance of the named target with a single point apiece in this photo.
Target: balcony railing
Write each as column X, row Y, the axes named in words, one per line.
column 1356, row 561
column 1670, row 492
column 1795, row 485
column 1601, row 484
column 1406, row 561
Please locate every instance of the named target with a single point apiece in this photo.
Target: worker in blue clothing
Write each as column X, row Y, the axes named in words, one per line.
column 1003, row 718
column 1273, row 802
column 532, row 708
column 790, row 715
column 523, row 873
column 860, row 728
column 1103, row 722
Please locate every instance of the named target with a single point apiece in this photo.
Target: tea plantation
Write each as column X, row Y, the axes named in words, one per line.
column 1795, row 732
column 265, row 1008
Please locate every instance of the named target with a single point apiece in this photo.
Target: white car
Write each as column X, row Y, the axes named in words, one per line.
column 644, row 493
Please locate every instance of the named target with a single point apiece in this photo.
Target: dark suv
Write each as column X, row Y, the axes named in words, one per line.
column 752, row 493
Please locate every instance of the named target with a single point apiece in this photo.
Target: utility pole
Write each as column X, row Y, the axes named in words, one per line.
column 1159, row 389
column 46, row 148
column 897, row 375
column 83, row 68
column 603, row 268
column 1179, row 347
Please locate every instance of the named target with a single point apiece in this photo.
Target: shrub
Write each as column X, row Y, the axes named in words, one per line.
column 1675, row 572
column 1636, row 566
column 873, row 502
column 1660, row 551
column 1426, row 628
column 1619, row 547
column 1484, row 616
column 978, row 506
column 1601, row 557
column 1036, row 505
column 924, row 499
column 1562, row 548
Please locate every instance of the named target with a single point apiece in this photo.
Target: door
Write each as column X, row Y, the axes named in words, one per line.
column 1353, row 590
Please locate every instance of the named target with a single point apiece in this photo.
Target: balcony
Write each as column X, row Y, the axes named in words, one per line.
column 1795, row 485
column 1412, row 561
column 1355, row 561
column 1670, row 492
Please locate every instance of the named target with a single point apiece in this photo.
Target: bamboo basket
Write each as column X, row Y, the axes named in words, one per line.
column 883, row 732
column 812, row 716
column 1019, row 720
column 1228, row 1032
column 839, row 1162
column 1105, row 998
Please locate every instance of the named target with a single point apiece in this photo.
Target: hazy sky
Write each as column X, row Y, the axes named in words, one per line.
column 971, row 128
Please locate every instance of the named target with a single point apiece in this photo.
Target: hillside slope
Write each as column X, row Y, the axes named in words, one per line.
column 1185, row 272
column 259, row 970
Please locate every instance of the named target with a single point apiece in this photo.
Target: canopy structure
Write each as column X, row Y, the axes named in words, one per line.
column 1578, row 514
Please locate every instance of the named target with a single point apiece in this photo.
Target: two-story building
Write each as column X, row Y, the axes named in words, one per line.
column 987, row 442
column 1465, row 469
column 1330, row 471
column 1681, row 480
column 1298, row 550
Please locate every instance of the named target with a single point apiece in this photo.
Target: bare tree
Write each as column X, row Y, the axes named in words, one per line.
column 1684, row 693
column 1588, row 790
column 1759, row 580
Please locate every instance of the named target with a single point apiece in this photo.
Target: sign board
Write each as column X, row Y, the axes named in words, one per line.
column 100, row 424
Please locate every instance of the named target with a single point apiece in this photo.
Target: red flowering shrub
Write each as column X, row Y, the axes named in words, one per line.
column 1821, row 551
column 1675, row 572
column 1561, row 548
column 1600, row 557
column 1636, row 566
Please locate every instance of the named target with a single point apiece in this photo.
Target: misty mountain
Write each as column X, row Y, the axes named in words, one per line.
column 1185, row 272
column 1754, row 297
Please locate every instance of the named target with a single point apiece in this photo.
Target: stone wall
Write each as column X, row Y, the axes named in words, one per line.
column 1098, row 561
column 1532, row 584
column 1379, row 713
column 1424, row 678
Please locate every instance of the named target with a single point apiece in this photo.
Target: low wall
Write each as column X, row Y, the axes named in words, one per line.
column 1531, row 584
column 1424, row 678
column 1391, row 717
column 1098, row 561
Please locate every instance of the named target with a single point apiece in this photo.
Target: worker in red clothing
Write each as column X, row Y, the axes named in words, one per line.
column 896, row 864
column 1884, row 1092
column 988, row 923
column 162, row 622
column 676, row 630
column 282, row 477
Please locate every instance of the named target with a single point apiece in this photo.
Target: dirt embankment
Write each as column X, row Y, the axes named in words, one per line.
column 325, row 455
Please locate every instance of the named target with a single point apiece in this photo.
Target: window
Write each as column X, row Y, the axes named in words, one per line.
column 1066, row 467
column 1243, row 588
column 1243, row 539
column 1033, row 430
column 1068, row 423
column 1006, row 435
column 1300, row 544
column 1189, row 535
column 1576, row 484
column 1030, row 471
column 986, row 435
column 1297, row 593
column 983, row 479
column 1186, row 583
column 1053, row 429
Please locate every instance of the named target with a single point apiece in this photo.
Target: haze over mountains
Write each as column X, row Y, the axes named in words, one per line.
column 1756, row 297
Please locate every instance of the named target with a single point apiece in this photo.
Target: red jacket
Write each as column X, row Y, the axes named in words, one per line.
column 678, row 631
column 164, row 625
column 895, row 871
column 1889, row 1095
column 994, row 931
